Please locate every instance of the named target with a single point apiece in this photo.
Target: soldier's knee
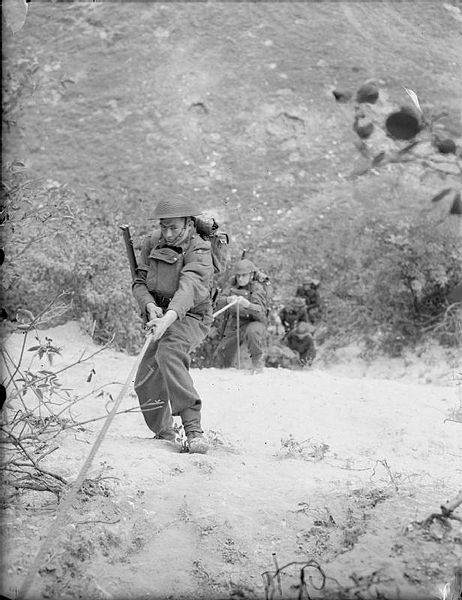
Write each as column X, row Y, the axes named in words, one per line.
column 255, row 331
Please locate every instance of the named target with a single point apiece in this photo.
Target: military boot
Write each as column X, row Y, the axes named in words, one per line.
column 257, row 364
column 197, row 443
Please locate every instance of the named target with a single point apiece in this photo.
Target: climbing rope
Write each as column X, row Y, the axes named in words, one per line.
column 63, row 508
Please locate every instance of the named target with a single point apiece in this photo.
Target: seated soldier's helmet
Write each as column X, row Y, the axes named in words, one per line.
column 243, row 267
column 311, row 281
column 171, row 208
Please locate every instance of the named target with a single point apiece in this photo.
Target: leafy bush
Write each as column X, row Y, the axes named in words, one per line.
column 56, row 243
column 388, row 282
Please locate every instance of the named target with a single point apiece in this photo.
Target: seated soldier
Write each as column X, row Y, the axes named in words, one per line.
column 299, row 340
column 246, row 286
column 292, row 313
column 309, row 292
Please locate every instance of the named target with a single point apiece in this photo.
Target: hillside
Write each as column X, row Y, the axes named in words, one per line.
column 232, row 101
column 110, row 106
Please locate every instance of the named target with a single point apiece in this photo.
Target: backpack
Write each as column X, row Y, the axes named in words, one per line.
column 264, row 279
column 209, row 230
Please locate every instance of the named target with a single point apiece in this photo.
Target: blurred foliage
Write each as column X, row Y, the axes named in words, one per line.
column 56, row 243
column 392, row 282
column 385, row 278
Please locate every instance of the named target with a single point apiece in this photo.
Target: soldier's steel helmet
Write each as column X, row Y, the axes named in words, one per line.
column 244, row 266
column 311, row 281
column 172, row 208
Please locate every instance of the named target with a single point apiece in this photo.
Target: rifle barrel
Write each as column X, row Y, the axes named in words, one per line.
column 129, row 248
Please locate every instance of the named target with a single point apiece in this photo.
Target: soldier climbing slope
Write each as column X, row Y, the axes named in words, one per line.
column 250, row 288
column 310, row 293
column 299, row 340
column 293, row 312
column 173, row 288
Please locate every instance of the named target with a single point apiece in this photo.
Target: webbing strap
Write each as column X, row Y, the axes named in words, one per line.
column 63, row 508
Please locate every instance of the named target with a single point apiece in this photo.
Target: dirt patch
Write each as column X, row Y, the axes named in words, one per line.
column 304, row 466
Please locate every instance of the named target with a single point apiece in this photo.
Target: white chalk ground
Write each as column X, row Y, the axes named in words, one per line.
column 332, row 465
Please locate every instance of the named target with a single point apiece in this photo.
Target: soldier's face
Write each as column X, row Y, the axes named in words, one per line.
column 242, row 279
column 172, row 228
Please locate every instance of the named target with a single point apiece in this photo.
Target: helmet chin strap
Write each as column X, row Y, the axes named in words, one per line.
column 179, row 238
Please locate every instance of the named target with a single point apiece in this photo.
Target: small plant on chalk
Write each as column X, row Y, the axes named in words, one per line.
column 306, row 449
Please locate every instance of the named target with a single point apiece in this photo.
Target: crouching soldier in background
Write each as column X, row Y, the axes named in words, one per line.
column 172, row 287
column 299, row 340
column 310, row 293
column 253, row 306
column 293, row 312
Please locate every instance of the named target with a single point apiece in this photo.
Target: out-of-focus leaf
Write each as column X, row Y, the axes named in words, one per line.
column 53, row 349
column 456, row 208
column 440, row 195
column 378, row 159
column 33, row 348
column 413, row 96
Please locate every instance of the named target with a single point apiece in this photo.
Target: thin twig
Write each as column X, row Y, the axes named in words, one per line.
column 120, row 412
column 18, row 364
column 3, row 350
column 34, row 462
column 268, row 577
column 384, row 463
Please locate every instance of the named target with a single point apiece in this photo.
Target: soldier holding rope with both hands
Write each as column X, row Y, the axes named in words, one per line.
column 173, row 289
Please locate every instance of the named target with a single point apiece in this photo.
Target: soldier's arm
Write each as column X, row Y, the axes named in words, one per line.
column 195, row 278
column 256, row 311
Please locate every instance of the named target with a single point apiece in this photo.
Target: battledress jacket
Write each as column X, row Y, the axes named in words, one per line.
column 255, row 293
column 176, row 278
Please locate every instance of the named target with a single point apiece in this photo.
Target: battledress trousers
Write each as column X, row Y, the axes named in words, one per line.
column 253, row 333
column 163, row 383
